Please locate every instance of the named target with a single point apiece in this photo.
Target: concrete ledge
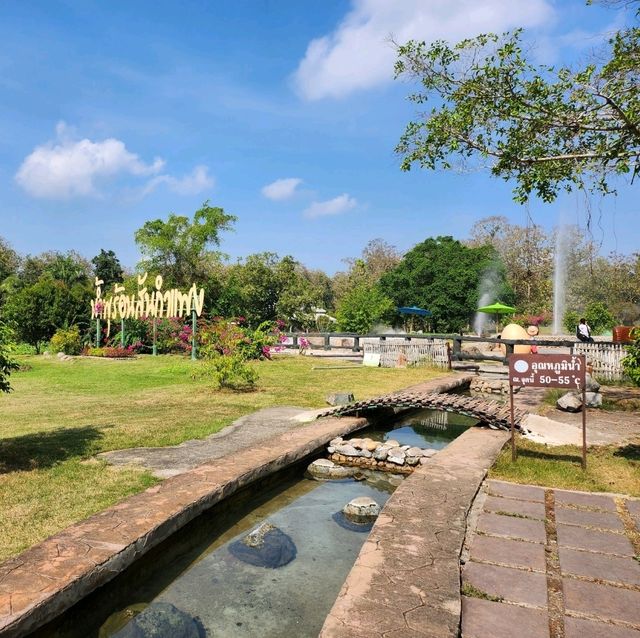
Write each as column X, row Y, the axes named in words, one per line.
column 47, row 579
column 406, row 580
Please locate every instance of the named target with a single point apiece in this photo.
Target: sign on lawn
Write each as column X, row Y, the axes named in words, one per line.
column 547, row 371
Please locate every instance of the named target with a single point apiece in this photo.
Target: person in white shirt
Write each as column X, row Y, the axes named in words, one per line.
column 583, row 331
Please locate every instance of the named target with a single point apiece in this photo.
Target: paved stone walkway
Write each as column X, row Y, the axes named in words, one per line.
column 545, row 563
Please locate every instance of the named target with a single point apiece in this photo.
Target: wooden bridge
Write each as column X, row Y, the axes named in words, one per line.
column 492, row 413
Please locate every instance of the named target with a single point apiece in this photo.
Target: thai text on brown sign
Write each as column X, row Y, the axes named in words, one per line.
column 547, row 370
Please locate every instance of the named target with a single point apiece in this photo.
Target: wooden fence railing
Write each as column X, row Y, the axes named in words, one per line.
column 605, row 356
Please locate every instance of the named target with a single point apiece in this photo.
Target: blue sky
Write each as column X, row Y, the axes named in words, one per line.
column 282, row 112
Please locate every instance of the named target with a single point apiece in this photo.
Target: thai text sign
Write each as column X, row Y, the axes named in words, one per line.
column 146, row 302
column 547, row 370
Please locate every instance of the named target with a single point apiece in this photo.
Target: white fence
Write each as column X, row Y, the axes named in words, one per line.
column 605, row 358
column 428, row 352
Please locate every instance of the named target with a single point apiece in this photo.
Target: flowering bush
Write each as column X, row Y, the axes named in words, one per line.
column 229, row 338
column 66, row 340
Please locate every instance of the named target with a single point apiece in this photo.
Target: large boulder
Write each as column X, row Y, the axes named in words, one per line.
column 265, row 546
column 591, row 384
column 160, row 620
column 594, row 399
column 570, row 402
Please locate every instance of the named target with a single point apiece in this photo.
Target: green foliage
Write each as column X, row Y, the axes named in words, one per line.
column 111, row 352
column 631, row 363
column 177, row 247
column 550, row 129
column 599, row 318
column 570, row 321
column 107, row 268
column 37, row 311
column 66, row 340
column 229, row 371
column 443, row 276
column 7, row 362
column 362, row 307
column 224, row 337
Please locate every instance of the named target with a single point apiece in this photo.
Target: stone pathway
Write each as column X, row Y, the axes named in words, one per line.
column 545, row 563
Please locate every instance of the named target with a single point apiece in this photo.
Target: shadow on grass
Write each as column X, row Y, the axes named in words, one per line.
column 630, row 452
column 44, row 449
column 539, row 455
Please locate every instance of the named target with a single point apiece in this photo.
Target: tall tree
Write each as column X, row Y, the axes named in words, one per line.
column 443, row 276
column 548, row 129
column 178, row 248
column 106, row 266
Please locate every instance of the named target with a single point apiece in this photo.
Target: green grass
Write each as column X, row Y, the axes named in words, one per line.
column 609, row 469
column 61, row 414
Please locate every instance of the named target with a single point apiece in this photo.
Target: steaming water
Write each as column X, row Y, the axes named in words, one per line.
column 487, row 293
column 559, row 278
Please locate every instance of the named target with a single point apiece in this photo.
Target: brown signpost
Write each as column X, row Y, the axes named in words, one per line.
column 549, row 371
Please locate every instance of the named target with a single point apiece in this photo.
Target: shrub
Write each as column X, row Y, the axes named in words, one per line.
column 598, row 317
column 66, row 340
column 631, row 363
column 112, row 352
column 229, row 371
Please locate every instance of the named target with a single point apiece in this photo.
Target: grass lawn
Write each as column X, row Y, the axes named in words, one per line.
column 609, row 468
column 61, row 413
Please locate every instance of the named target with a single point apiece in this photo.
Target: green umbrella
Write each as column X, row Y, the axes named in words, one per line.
column 497, row 309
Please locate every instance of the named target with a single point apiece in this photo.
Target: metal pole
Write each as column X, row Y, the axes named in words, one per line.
column 98, row 332
column 584, row 426
column 513, row 427
column 193, row 335
column 122, row 332
column 155, row 347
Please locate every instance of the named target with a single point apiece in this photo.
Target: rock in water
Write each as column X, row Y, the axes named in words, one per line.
column 326, row 469
column 161, row 620
column 265, row 546
column 361, row 510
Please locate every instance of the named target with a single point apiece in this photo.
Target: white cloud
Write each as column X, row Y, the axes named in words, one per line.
column 357, row 54
column 191, row 184
column 335, row 206
column 284, row 188
column 66, row 167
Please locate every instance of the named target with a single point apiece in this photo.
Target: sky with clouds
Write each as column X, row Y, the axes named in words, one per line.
column 284, row 113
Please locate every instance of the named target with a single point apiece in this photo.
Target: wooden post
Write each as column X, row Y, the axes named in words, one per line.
column 457, row 347
column 356, row 344
column 584, row 426
column 513, row 426
column 327, row 341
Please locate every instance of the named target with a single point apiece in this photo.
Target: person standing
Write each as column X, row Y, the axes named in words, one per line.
column 583, row 332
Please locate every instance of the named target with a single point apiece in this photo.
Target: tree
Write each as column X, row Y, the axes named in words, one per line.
column 107, row 267
column 7, row 363
column 362, row 307
column 443, row 276
column 527, row 255
column 37, row 311
column 178, row 247
column 549, row 129
column 9, row 260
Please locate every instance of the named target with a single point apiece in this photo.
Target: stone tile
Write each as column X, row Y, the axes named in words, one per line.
column 597, row 501
column 513, row 585
column 580, row 628
column 583, row 538
column 513, row 490
column 601, row 601
column 508, row 552
column 601, row 566
column 603, row 520
column 486, row 619
column 634, row 510
column 514, row 506
column 523, row 528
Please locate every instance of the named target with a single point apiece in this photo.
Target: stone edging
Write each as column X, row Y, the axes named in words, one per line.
column 406, row 580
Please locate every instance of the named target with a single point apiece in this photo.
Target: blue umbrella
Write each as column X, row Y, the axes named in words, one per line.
column 413, row 310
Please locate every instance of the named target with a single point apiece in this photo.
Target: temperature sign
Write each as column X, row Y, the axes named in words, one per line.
column 547, row 371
